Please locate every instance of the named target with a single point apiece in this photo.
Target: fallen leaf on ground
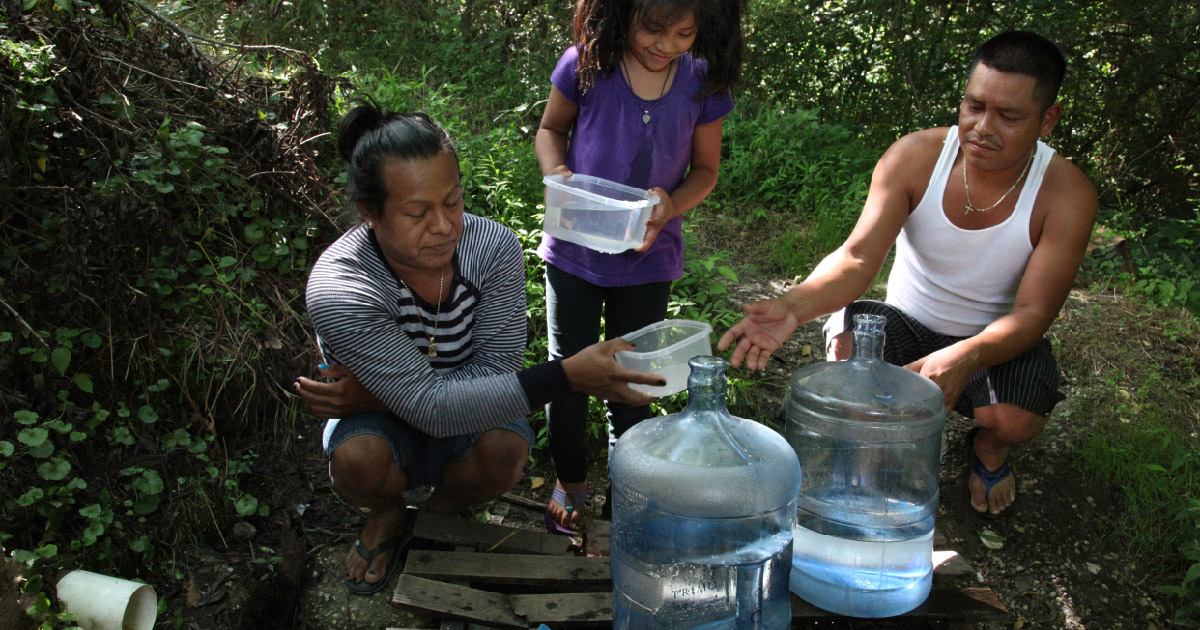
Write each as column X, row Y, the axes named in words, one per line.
column 537, row 482
column 991, row 539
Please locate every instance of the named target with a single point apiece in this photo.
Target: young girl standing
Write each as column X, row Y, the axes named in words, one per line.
column 638, row 100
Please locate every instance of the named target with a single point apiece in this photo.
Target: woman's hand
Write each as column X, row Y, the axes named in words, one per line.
column 595, row 371
column 765, row 327
column 339, row 399
column 663, row 211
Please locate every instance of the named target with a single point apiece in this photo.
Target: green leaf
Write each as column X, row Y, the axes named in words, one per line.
column 121, row 435
column 61, row 358
column 26, row 416
column 83, row 382
column 33, row 437
column 146, row 504
column 7, row 448
column 5, row 336
column 42, row 451
column 91, row 340
column 147, row 414
column 32, row 496
column 246, row 505
column 1154, row 467
column 149, row 482
column 55, row 469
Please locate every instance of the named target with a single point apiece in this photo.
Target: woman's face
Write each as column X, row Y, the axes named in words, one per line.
column 421, row 220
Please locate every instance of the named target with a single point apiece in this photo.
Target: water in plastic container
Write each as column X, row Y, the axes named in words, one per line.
column 868, row 435
column 704, row 505
column 597, row 213
column 601, row 229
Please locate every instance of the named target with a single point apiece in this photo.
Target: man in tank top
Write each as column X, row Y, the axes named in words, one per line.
column 990, row 226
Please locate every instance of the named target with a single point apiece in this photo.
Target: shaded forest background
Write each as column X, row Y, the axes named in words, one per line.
column 167, row 178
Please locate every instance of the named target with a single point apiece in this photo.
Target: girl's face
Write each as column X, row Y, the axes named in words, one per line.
column 655, row 43
column 421, row 220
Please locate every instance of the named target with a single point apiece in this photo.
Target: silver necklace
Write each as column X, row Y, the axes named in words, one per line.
column 663, row 90
column 441, row 285
column 970, row 207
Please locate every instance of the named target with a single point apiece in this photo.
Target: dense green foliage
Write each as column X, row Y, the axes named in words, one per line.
column 165, row 195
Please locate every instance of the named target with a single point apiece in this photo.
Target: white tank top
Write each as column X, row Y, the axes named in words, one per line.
column 957, row 281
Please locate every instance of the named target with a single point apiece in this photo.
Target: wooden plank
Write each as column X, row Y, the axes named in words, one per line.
column 488, row 537
column 559, row 572
column 581, row 610
column 565, row 610
column 946, row 603
column 564, row 571
column 949, row 564
column 449, row 601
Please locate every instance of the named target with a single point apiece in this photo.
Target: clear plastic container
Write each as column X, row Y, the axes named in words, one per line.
column 596, row 213
column 665, row 348
column 704, row 505
column 868, row 435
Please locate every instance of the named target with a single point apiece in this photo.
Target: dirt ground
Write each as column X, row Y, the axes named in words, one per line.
column 1056, row 558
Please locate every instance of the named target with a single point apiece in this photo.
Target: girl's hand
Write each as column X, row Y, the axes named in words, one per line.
column 561, row 169
column 339, row 399
column 663, row 212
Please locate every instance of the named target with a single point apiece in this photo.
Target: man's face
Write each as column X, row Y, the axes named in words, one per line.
column 1000, row 120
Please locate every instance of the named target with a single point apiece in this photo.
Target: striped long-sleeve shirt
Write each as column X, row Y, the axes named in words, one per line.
column 367, row 320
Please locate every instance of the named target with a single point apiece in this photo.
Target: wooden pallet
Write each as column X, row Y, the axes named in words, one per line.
column 502, row 577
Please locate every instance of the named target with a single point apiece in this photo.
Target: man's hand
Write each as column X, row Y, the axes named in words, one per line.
column 663, row 211
column 595, row 371
column 765, row 327
column 949, row 369
column 339, row 399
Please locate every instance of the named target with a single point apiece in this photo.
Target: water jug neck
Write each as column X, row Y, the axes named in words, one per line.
column 707, row 384
column 868, row 337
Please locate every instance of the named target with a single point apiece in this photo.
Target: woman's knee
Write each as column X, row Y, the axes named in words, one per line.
column 504, row 454
column 363, row 464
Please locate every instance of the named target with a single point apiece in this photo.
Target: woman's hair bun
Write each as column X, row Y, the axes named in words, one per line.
column 363, row 117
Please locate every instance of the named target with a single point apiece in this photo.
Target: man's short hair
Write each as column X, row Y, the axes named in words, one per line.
column 1027, row 53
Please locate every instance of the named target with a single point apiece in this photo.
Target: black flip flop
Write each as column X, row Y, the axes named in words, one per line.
column 396, row 543
column 990, row 477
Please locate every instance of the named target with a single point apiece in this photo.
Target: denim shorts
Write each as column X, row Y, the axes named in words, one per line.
column 421, row 456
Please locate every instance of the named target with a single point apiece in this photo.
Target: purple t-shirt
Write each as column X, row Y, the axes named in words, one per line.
column 611, row 141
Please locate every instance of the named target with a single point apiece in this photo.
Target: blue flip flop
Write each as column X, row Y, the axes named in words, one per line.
column 396, row 544
column 577, row 500
column 990, row 477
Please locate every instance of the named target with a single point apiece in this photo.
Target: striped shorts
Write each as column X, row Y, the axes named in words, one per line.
column 1030, row 381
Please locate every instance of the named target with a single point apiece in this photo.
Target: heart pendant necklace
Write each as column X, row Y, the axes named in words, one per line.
column 661, row 91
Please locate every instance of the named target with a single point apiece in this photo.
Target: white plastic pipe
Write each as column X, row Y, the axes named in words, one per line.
column 100, row 602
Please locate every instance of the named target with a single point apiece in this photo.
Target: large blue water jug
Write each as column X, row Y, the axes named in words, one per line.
column 704, row 505
column 868, row 435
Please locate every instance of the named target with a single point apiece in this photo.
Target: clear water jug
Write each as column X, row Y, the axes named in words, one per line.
column 868, row 435
column 704, row 505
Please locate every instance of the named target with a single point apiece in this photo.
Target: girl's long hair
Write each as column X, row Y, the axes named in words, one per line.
column 601, row 27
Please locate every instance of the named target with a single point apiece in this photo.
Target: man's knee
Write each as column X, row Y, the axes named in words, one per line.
column 1010, row 423
column 840, row 347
